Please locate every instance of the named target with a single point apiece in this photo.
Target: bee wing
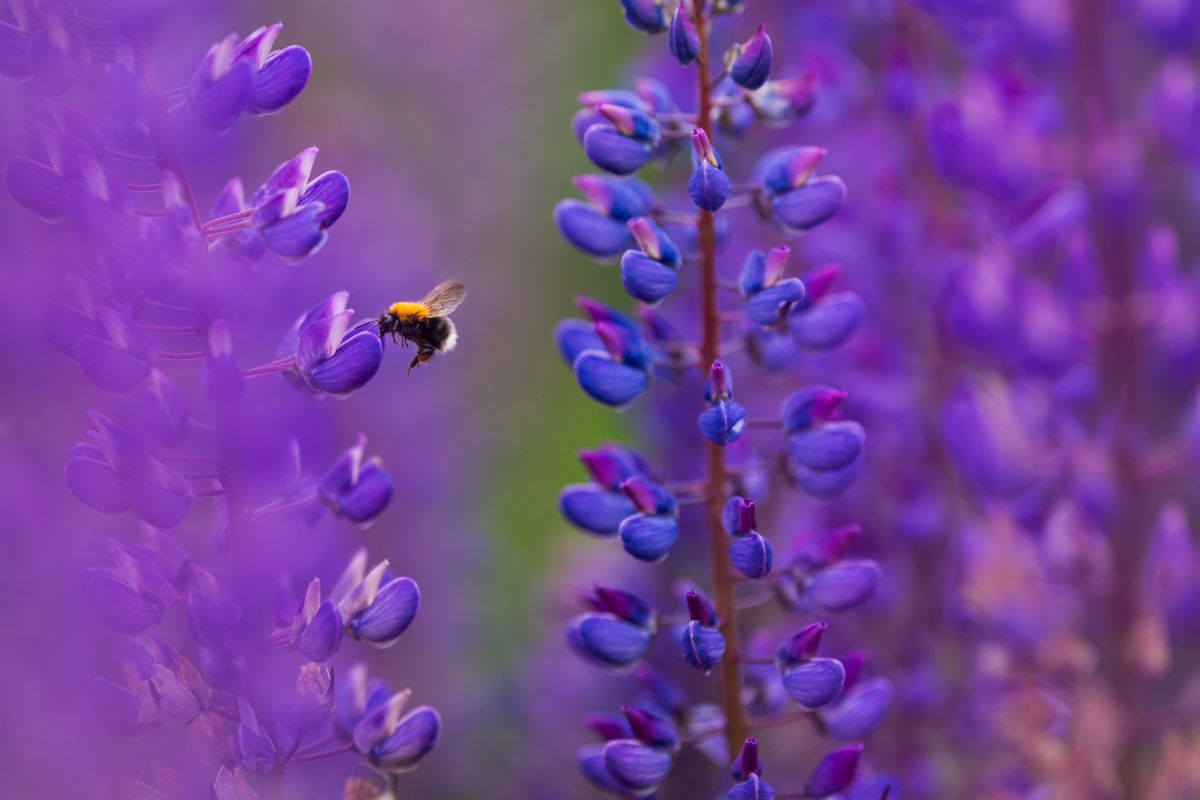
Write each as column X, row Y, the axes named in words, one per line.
column 444, row 298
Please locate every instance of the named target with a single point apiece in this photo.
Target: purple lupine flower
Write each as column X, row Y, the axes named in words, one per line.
column 647, row 16
column 778, row 321
column 709, row 187
column 835, row 773
column 619, row 631
column 650, row 273
column 598, row 227
column 682, row 36
column 355, row 489
column 293, row 212
column 247, row 76
column 376, row 606
column 750, row 62
column 330, row 356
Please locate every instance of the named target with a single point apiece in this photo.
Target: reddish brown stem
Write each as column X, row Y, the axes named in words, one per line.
column 729, row 670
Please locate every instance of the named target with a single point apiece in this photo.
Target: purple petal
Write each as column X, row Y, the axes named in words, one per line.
column 119, row 606
column 322, row 637
column 162, row 497
column 291, row 174
column 281, row 78
column 351, row 367
column 97, row 485
column 636, row 766
column 814, row 683
column 414, row 737
column 682, row 37
column 702, row 645
column 573, row 336
column 723, row 422
column 829, row 323
column 605, row 640
column 332, row 190
column 646, row 279
column 393, row 610
column 591, row 231
column 753, row 788
column 709, row 187
column 751, row 555
column 844, row 585
column 811, row 204
column 298, row 235
column 767, row 306
column 649, row 537
column 594, row 509
column 607, row 381
column 177, row 706
column 591, row 763
column 38, row 188
column 752, row 67
column 615, row 152
column 53, row 66
column 835, row 773
column 832, row 446
column 219, row 103
column 319, row 339
column 827, row 483
column 14, row 52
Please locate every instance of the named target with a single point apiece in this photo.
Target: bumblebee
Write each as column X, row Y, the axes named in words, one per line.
column 426, row 323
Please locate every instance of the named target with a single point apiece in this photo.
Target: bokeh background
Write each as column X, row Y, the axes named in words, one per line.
column 451, row 120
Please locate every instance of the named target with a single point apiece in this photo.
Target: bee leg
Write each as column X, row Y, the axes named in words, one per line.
column 420, row 358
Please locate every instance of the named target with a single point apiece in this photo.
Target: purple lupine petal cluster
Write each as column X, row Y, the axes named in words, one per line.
column 198, row 641
column 674, row 262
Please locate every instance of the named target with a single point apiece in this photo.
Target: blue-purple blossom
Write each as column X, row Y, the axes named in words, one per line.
column 292, row 212
column 246, row 76
column 356, row 489
column 751, row 61
column 709, row 187
column 330, row 355
column 682, row 35
column 598, row 227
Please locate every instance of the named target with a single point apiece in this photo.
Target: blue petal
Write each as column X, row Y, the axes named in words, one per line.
column 414, row 737
column 368, row 497
column 322, row 636
column 607, row 381
column 753, row 788
column 162, row 497
column 723, row 422
column 709, row 187
column 702, row 646
column 14, row 52
column 586, row 228
column 280, row 79
column 351, row 367
column 752, row 67
column 121, row 607
column 766, row 307
column 811, row 204
column 751, row 555
column 218, row 104
column 332, row 189
column 573, row 336
column 37, row 187
column 831, row 446
column 649, row 537
column 298, row 235
column 682, row 36
column 814, row 683
column 97, row 485
column 844, row 585
column 829, row 323
column 827, row 483
column 394, row 609
column 612, row 150
column 594, row 509
column 834, row 773
column 646, row 279
column 605, row 640
column 638, row 767
column 591, row 764
column 647, row 16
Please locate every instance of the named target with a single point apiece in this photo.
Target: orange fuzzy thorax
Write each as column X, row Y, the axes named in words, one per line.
column 409, row 310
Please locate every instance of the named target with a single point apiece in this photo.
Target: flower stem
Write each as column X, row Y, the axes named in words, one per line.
column 729, row 669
